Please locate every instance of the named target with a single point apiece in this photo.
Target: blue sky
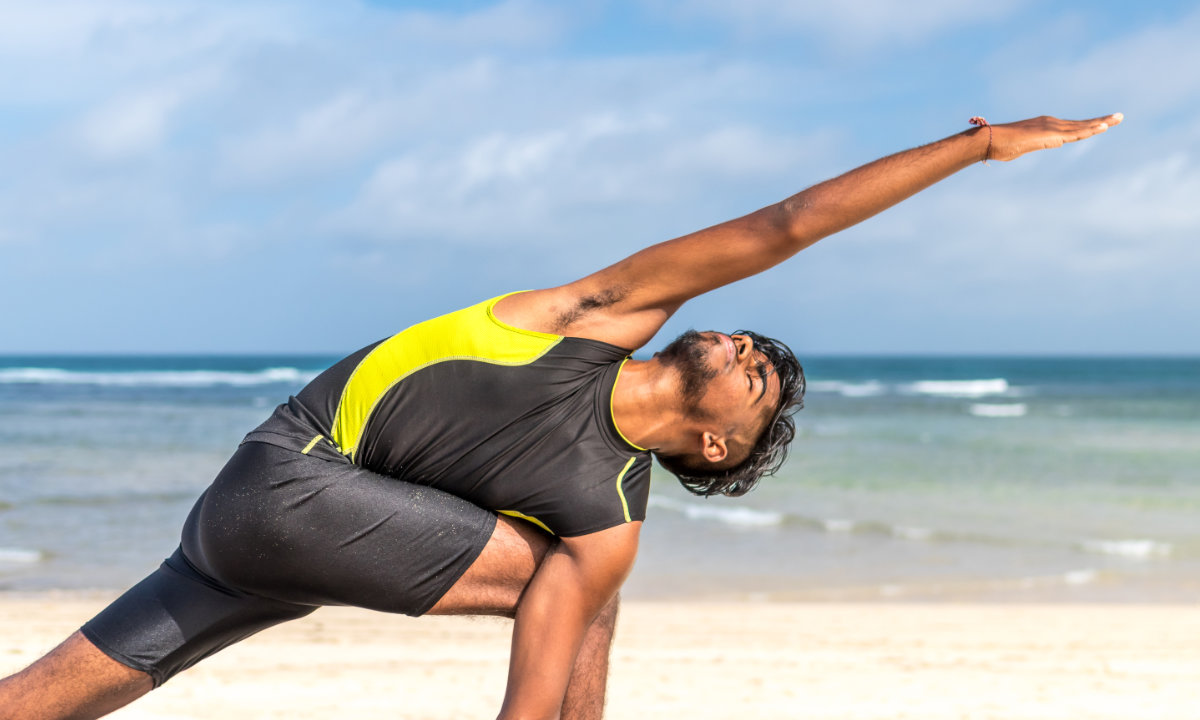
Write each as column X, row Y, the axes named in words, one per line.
column 311, row 176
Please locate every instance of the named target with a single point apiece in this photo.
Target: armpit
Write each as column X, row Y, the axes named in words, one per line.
column 588, row 304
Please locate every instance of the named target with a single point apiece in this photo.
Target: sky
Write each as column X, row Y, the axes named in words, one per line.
column 277, row 177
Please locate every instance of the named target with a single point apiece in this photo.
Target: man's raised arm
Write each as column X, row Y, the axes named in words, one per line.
column 628, row 302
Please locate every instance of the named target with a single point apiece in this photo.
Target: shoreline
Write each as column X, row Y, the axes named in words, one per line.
column 690, row 659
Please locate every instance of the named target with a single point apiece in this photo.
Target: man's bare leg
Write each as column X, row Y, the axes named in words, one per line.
column 76, row 680
column 493, row 586
column 589, row 678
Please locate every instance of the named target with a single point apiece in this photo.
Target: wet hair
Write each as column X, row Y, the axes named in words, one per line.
column 769, row 451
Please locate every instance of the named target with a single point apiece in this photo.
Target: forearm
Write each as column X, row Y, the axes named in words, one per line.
column 549, row 630
column 834, row 205
column 568, row 592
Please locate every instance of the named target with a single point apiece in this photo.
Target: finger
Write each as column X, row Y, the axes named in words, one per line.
column 1110, row 120
column 1102, row 121
column 1100, row 124
column 1095, row 126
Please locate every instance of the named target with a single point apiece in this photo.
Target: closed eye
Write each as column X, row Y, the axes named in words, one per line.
column 762, row 378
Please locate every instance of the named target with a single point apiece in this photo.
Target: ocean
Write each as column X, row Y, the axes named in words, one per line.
column 911, row 479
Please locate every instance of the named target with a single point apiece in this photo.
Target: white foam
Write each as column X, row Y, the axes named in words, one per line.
column 19, row 556
column 1080, row 577
column 836, row 525
column 1006, row 410
column 960, row 388
column 154, row 378
column 1134, row 549
column 912, row 533
column 736, row 516
column 870, row 388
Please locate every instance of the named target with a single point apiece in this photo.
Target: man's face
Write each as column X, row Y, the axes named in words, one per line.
column 725, row 379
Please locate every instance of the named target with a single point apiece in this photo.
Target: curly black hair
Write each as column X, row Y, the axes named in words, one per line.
column 771, row 448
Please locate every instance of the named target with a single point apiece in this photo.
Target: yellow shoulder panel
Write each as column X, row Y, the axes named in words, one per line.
column 473, row 333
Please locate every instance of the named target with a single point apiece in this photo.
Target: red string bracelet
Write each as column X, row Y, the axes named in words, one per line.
column 977, row 120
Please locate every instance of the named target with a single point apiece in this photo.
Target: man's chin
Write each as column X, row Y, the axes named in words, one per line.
column 688, row 353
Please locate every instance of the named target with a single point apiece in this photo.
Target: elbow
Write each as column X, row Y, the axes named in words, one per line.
column 801, row 222
column 788, row 225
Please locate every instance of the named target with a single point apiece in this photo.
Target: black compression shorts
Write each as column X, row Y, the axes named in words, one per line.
column 278, row 534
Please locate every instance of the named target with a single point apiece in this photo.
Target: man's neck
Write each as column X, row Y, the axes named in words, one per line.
column 647, row 407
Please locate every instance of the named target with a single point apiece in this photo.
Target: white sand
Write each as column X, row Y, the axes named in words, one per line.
column 695, row 661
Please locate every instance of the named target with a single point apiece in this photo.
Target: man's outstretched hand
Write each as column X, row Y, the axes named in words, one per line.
column 1012, row 140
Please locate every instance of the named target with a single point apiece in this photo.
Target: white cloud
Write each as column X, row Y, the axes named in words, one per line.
column 1146, row 73
column 1074, row 235
column 79, row 50
column 520, row 24
column 71, row 26
column 334, row 132
column 148, row 133
column 533, row 188
column 127, row 126
column 852, row 23
column 498, row 185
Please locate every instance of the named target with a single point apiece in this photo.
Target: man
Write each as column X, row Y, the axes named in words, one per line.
column 525, row 405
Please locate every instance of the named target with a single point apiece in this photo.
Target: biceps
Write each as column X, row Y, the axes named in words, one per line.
column 671, row 273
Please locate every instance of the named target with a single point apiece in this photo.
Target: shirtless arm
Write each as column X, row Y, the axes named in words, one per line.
column 575, row 581
column 626, row 303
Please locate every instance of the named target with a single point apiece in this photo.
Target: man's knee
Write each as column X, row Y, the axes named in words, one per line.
column 608, row 614
column 494, row 582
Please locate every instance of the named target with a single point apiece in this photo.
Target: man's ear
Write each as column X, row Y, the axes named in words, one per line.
column 714, row 449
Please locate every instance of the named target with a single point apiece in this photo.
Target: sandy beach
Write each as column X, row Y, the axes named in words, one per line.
column 693, row 660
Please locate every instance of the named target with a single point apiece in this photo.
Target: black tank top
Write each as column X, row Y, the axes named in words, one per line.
column 515, row 421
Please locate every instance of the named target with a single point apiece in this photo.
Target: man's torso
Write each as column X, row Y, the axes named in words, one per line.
column 512, row 420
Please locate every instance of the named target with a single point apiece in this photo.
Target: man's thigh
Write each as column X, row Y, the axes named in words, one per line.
column 279, row 533
column 494, row 582
column 314, row 531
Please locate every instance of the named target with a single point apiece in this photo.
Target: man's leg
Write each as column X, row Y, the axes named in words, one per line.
column 589, row 678
column 75, row 680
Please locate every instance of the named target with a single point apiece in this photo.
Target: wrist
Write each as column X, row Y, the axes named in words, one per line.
column 983, row 125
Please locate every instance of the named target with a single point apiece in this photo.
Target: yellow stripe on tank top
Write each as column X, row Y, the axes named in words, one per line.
column 621, row 490
column 311, row 444
column 472, row 333
column 530, row 518
column 612, row 413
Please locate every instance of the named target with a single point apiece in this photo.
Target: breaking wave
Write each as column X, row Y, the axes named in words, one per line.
column 1007, row 410
column 19, row 556
column 156, row 378
column 1133, row 549
column 735, row 516
column 960, row 388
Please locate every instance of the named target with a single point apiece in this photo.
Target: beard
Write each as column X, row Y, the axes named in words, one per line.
column 688, row 354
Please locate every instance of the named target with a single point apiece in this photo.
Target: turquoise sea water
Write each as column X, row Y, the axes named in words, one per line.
column 1011, row 479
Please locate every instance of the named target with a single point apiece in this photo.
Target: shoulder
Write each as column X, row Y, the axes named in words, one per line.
column 583, row 309
column 607, row 496
column 613, row 548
